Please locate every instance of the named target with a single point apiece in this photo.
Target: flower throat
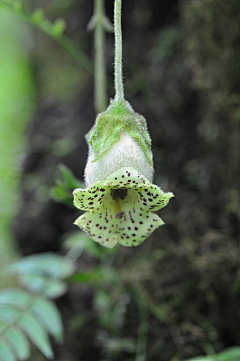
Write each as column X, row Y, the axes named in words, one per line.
column 116, row 194
column 119, row 193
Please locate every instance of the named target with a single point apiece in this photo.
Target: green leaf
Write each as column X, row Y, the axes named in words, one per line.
column 92, row 276
column 18, row 342
column 37, row 334
column 8, row 314
column 21, row 315
column 50, row 265
column 96, row 275
column 55, row 289
column 78, row 242
column 14, row 296
column 105, row 22
column 203, row 358
column 5, row 352
column 107, row 25
column 65, row 183
column 50, row 318
column 92, row 23
column 231, row 354
column 60, row 194
column 42, row 284
column 68, row 177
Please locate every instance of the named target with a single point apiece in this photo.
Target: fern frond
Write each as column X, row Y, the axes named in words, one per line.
column 43, row 273
column 24, row 318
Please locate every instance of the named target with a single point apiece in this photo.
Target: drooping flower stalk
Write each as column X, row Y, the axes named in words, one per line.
column 118, row 67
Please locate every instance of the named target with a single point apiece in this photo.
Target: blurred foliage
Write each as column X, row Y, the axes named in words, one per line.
column 215, row 58
column 65, row 185
column 167, row 44
column 17, row 98
column 55, row 29
column 29, row 314
column 231, row 354
column 43, row 273
column 21, row 315
column 61, row 73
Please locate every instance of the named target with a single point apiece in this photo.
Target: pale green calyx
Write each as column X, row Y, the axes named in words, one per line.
column 119, row 138
column 120, row 208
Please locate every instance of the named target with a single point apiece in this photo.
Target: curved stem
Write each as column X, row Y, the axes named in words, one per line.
column 118, row 74
column 100, row 71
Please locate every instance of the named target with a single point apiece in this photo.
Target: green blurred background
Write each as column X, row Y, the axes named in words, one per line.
column 17, row 104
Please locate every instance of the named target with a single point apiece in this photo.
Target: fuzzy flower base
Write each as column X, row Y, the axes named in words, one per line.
column 120, row 209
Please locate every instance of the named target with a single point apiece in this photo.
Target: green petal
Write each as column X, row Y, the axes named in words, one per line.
column 89, row 199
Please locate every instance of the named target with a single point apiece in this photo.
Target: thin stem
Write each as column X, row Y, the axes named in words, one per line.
column 99, row 71
column 118, row 75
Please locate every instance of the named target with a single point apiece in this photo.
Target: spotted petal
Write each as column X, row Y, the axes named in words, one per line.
column 89, row 199
column 100, row 224
column 97, row 229
column 152, row 198
column 135, row 223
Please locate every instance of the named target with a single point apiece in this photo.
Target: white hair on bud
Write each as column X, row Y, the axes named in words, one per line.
column 124, row 153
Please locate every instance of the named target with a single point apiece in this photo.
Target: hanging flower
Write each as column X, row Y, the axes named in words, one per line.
column 120, row 208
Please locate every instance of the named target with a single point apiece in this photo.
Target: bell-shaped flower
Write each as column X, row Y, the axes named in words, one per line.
column 120, row 208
